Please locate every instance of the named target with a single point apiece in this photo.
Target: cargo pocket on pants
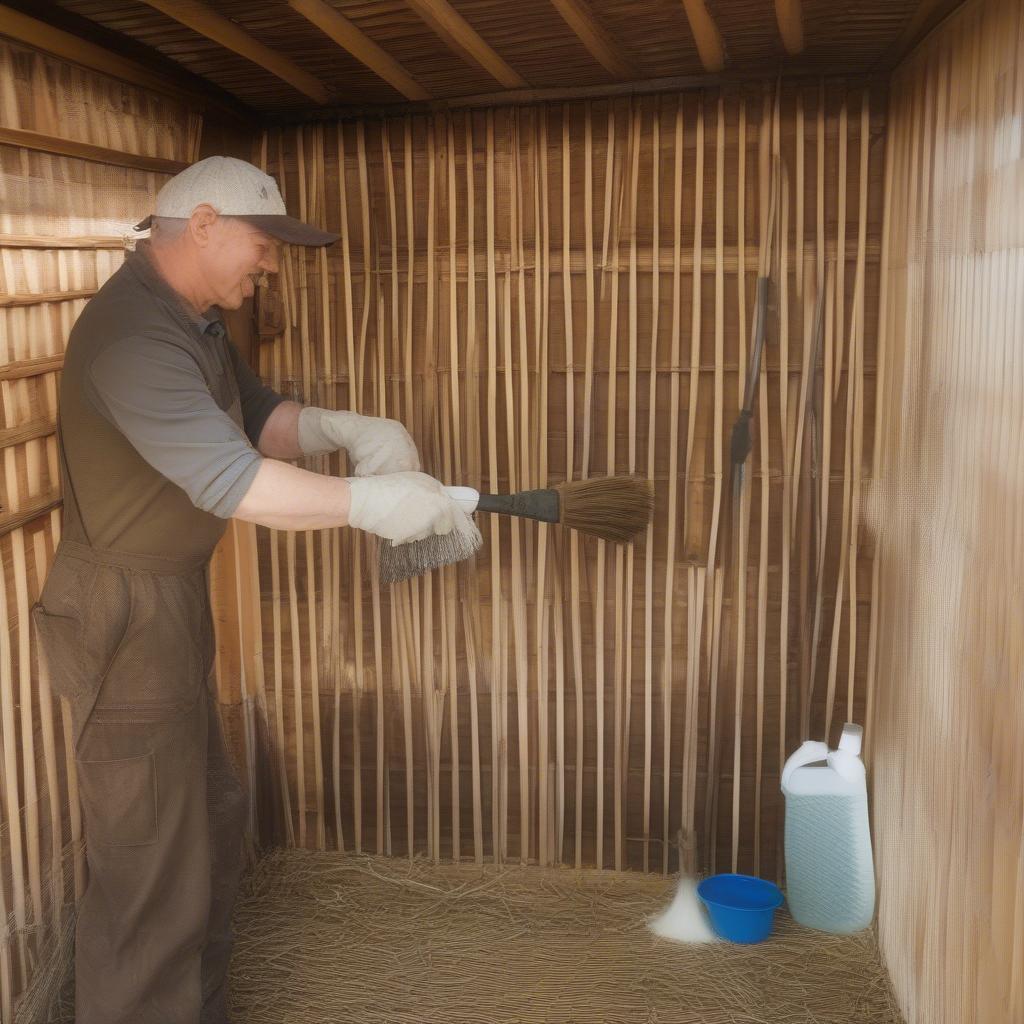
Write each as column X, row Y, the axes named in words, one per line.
column 119, row 798
column 60, row 641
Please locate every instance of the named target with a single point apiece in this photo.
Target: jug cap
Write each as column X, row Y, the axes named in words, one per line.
column 852, row 738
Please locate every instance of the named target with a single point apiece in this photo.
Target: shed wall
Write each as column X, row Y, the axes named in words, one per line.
column 560, row 701
column 948, row 763
column 62, row 225
column 533, row 312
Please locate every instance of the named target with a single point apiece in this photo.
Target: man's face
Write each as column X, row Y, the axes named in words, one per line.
column 235, row 256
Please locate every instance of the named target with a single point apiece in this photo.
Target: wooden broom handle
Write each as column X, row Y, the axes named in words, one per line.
column 543, row 505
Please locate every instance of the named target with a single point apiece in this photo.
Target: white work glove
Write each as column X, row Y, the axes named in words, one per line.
column 402, row 507
column 375, row 445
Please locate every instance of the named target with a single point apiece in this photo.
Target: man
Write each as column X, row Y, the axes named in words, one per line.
column 165, row 434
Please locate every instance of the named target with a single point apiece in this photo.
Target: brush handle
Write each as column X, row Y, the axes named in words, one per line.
column 543, row 505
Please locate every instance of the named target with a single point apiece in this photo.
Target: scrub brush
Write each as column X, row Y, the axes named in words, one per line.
column 614, row 508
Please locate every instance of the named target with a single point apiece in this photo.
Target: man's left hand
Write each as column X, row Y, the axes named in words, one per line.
column 375, row 445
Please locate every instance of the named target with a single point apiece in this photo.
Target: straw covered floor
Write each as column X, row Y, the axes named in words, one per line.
column 329, row 937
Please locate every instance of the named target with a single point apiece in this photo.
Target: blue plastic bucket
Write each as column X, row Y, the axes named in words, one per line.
column 741, row 907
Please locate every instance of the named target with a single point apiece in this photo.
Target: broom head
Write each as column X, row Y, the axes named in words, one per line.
column 399, row 562
column 614, row 508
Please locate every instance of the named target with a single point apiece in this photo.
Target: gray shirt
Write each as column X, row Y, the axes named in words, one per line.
column 157, row 397
column 159, row 421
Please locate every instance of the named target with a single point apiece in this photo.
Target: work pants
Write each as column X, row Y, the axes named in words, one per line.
column 163, row 812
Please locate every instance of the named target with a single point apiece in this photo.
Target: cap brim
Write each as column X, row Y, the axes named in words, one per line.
column 279, row 226
column 290, row 230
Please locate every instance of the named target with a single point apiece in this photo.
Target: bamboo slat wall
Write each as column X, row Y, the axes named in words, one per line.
column 61, row 226
column 519, row 287
column 949, row 761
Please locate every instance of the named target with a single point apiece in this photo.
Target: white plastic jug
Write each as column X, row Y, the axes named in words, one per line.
column 830, row 878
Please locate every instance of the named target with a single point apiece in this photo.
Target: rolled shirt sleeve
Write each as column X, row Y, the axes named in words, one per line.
column 155, row 394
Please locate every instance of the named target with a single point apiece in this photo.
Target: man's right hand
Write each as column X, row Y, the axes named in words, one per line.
column 401, row 507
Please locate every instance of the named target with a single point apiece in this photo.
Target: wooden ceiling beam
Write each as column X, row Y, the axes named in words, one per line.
column 71, row 45
column 925, row 17
column 461, row 37
column 350, row 38
column 207, row 22
column 791, row 25
column 705, row 35
column 597, row 42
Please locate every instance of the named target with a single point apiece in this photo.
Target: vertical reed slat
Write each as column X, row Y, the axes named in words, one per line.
column 625, row 620
column 688, row 796
column 354, row 403
column 652, row 420
column 573, row 541
column 857, row 370
column 739, row 546
column 714, row 751
column 474, row 635
column 499, row 706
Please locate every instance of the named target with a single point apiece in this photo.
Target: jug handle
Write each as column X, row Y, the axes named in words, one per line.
column 807, row 753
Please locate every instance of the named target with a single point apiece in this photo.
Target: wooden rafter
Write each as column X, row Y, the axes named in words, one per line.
column 21, row 27
column 705, row 35
column 207, row 22
column 461, row 37
column 925, row 16
column 352, row 39
column 597, row 42
column 791, row 26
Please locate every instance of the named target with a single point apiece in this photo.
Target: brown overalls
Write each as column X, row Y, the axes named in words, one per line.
column 129, row 641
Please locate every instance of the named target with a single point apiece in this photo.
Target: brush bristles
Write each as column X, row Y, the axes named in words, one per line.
column 614, row 508
column 399, row 562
